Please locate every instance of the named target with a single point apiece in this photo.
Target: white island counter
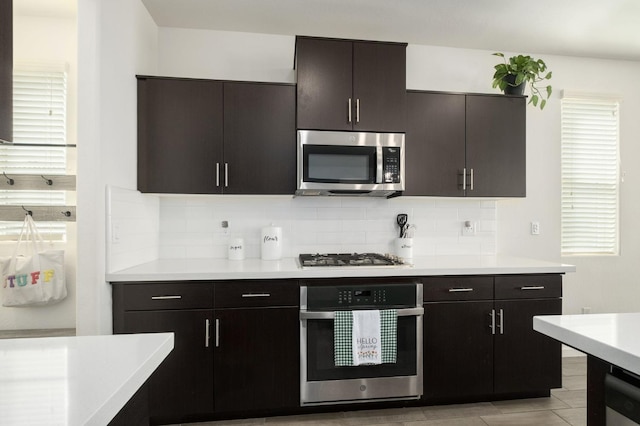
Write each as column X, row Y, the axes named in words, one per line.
column 611, row 343
column 82, row 380
column 614, row 338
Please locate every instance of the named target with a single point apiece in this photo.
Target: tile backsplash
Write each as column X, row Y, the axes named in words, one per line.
column 191, row 226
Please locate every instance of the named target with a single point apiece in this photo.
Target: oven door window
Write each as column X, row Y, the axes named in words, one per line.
column 339, row 164
column 320, row 354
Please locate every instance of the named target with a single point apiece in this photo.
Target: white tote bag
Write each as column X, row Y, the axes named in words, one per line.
column 37, row 278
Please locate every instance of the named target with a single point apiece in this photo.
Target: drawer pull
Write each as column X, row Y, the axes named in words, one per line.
column 165, row 297
column 460, row 290
column 256, row 295
column 532, row 287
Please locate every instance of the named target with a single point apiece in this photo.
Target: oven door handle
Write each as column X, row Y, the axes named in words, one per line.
column 408, row 312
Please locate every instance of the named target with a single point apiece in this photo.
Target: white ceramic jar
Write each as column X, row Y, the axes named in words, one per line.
column 271, row 243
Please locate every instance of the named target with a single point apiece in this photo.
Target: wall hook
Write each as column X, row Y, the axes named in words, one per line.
column 48, row 181
column 67, row 213
column 29, row 212
column 9, row 180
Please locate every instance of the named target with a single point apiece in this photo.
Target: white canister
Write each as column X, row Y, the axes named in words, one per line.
column 404, row 248
column 271, row 243
column 236, row 249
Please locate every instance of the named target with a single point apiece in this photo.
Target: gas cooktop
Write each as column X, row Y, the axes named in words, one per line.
column 350, row 259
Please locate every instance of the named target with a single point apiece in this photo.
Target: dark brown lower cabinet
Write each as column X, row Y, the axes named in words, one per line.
column 525, row 360
column 478, row 349
column 182, row 386
column 458, row 349
column 256, row 359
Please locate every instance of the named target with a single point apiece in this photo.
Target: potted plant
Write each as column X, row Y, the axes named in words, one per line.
column 512, row 76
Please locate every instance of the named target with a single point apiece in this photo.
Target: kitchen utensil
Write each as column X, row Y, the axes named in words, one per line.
column 401, row 220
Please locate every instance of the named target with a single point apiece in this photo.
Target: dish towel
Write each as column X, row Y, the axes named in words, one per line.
column 349, row 326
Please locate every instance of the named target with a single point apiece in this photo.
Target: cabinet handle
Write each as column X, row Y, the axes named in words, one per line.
column 226, row 175
column 501, row 323
column 217, row 174
column 460, row 290
column 357, row 110
column 464, row 179
column 532, row 287
column 493, row 321
column 349, row 110
column 165, row 297
column 256, row 295
column 471, row 179
column 206, row 333
column 217, row 333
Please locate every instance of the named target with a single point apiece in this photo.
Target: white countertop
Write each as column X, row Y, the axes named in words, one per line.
column 81, row 380
column 614, row 338
column 223, row 269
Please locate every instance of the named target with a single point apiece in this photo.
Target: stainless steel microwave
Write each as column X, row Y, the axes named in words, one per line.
column 350, row 163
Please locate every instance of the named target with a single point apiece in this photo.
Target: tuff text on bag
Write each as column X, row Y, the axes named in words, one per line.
column 22, row 280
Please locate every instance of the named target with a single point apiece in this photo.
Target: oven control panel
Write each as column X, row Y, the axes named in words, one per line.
column 360, row 297
column 367, row 297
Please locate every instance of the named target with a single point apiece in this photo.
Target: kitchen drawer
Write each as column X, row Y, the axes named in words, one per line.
column 438, row 289
column 248, row 294
column 528, row 286
column 160, row 296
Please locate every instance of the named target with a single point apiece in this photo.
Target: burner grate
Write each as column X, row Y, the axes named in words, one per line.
column 348, row 259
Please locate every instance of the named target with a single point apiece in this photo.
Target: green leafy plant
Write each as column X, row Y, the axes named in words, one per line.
column 527, row 70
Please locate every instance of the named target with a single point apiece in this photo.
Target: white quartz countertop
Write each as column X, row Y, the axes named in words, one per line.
column 613, row 338
column 82, row 380
column 223, row 269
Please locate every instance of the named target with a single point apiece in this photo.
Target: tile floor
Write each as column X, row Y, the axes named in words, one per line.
column 565, row 406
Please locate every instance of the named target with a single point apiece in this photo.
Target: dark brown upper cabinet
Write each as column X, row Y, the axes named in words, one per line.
column 351, row 85
column 179, row 136
column 260, row 138
column 6, row 70
column 465, row 145
column 215, row 137
column 496, row 145
column 435, row 144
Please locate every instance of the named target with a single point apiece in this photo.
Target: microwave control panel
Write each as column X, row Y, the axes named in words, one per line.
column 391, row 164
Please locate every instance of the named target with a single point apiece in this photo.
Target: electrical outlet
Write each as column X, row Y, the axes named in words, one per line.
column 468, row 228
column 586, row 310
column 535, row 228
column 115, row 233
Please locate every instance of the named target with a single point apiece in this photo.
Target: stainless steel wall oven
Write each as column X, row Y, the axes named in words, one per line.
column 321, row 381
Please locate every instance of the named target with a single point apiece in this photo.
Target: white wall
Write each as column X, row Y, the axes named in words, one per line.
column 48, row 41
column 117, row 40
column 605, row 284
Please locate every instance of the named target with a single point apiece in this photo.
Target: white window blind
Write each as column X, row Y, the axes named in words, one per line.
column 590, row 171
column 39, row 124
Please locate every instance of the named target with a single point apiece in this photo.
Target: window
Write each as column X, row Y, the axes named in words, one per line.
column 590, row 171
column 39, row 124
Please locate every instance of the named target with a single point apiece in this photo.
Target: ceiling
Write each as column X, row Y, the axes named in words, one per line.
column 591, row 28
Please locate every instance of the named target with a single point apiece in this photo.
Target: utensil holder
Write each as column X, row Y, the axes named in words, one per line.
column 404, row 248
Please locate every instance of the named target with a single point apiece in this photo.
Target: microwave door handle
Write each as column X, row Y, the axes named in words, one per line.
column 378, row 164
